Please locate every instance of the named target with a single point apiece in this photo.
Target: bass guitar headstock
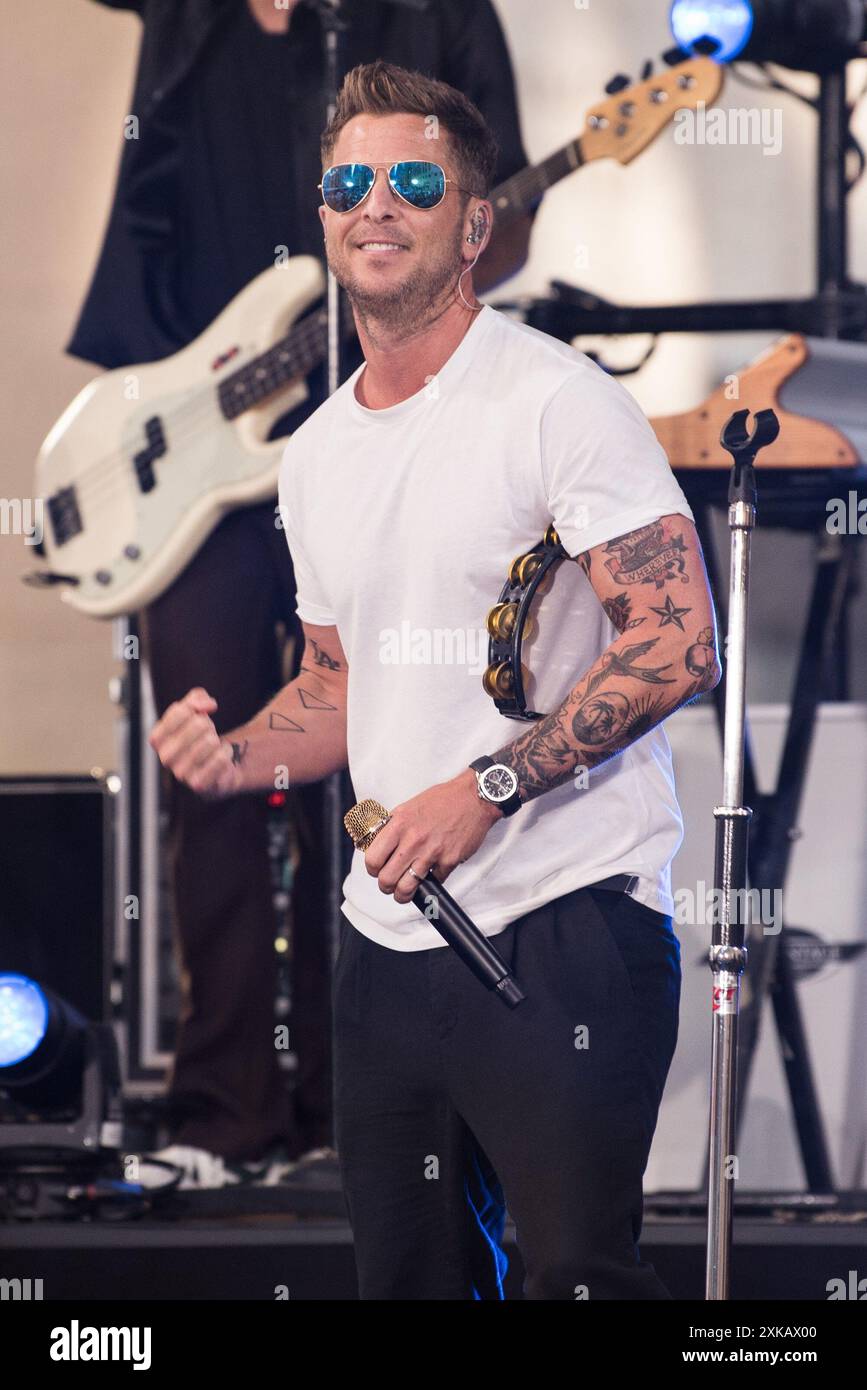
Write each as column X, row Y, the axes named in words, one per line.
column 631, row 117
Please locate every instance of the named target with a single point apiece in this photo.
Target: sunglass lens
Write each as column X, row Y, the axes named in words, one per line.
column 344, row 186
column 419, row 182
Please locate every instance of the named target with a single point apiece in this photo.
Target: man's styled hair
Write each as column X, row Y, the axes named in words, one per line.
column 384, row 89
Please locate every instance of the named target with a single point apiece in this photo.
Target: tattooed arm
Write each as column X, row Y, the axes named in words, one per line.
column 304, row 727
column 303, row 730
column 653, row 586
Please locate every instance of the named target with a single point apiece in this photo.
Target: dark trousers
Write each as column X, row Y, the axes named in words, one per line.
column 449, row 1107
column 218, row 626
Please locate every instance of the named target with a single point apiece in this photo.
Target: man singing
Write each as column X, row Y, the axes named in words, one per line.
column 405, row 498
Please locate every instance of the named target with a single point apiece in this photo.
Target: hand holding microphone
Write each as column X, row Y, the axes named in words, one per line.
column 364, row 822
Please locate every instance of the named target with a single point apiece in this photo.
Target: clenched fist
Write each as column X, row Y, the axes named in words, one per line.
column 187, row 743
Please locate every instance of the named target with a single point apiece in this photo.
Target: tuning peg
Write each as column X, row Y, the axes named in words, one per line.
column 673, row 56
column 647, row 71
column 617, row 84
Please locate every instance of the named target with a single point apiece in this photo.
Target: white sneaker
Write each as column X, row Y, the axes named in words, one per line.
column 199, row 1168
column 315, row 1170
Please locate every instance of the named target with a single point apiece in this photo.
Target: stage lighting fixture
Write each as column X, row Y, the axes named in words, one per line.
column 728, row 23
column 23, row 1019
column 59, row 1075
column 41, row 1046
column 809, row 35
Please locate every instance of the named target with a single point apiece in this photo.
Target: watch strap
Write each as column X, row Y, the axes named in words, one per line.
column 482, row 764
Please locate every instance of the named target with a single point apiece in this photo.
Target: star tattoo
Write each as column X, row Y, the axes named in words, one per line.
column 670, row 613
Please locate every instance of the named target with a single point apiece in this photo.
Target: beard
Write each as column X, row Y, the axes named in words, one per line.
column 411, row 302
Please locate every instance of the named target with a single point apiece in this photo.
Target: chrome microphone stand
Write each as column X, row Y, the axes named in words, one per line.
column 728, row 956
column 333, row 25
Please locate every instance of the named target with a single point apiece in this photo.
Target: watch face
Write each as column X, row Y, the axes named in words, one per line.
column 499, row 782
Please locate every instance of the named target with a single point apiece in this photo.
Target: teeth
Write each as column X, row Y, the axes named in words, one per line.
column 380, row 245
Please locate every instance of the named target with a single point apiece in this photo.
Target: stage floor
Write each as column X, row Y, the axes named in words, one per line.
column 267, row 1255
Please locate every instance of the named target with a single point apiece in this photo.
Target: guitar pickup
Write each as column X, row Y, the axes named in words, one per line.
column 64, row 515
column 145, row 459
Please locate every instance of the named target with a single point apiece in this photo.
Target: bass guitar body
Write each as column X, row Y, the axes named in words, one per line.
column 145, row 461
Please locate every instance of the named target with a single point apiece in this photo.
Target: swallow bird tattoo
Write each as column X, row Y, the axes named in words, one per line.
column 623, row 664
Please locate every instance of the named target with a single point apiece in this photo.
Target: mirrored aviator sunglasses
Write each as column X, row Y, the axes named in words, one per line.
column 417, row 181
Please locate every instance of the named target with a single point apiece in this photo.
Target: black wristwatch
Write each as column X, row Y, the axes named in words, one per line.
column 498, row 784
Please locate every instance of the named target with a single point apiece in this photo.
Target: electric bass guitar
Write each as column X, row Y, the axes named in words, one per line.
column 140, row 468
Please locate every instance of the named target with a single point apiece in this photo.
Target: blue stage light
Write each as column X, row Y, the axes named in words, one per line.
column 729, row 22
column 23, row 1019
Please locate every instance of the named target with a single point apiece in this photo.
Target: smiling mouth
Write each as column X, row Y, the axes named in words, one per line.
column 380, row 247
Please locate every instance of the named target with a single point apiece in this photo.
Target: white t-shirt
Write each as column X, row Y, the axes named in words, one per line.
column 402, row 524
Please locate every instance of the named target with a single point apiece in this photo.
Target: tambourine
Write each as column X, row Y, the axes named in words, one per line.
column 511, row 620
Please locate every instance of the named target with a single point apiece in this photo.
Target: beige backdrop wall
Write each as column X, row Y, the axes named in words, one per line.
column 67, row 74
column 681, row 223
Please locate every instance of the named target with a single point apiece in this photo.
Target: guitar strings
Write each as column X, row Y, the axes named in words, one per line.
column 120, row 476
column 198, row 406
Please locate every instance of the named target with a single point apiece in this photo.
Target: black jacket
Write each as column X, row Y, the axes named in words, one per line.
column 130, row 313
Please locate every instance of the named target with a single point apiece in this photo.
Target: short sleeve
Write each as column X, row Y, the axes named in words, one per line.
column 311, row 602
column 479, row 65
column 603, row 469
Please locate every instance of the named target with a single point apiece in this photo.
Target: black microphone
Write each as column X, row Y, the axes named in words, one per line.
column 364, row 823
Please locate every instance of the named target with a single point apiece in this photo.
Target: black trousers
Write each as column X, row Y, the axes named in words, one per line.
column 449, row 1107
column 218, row 626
